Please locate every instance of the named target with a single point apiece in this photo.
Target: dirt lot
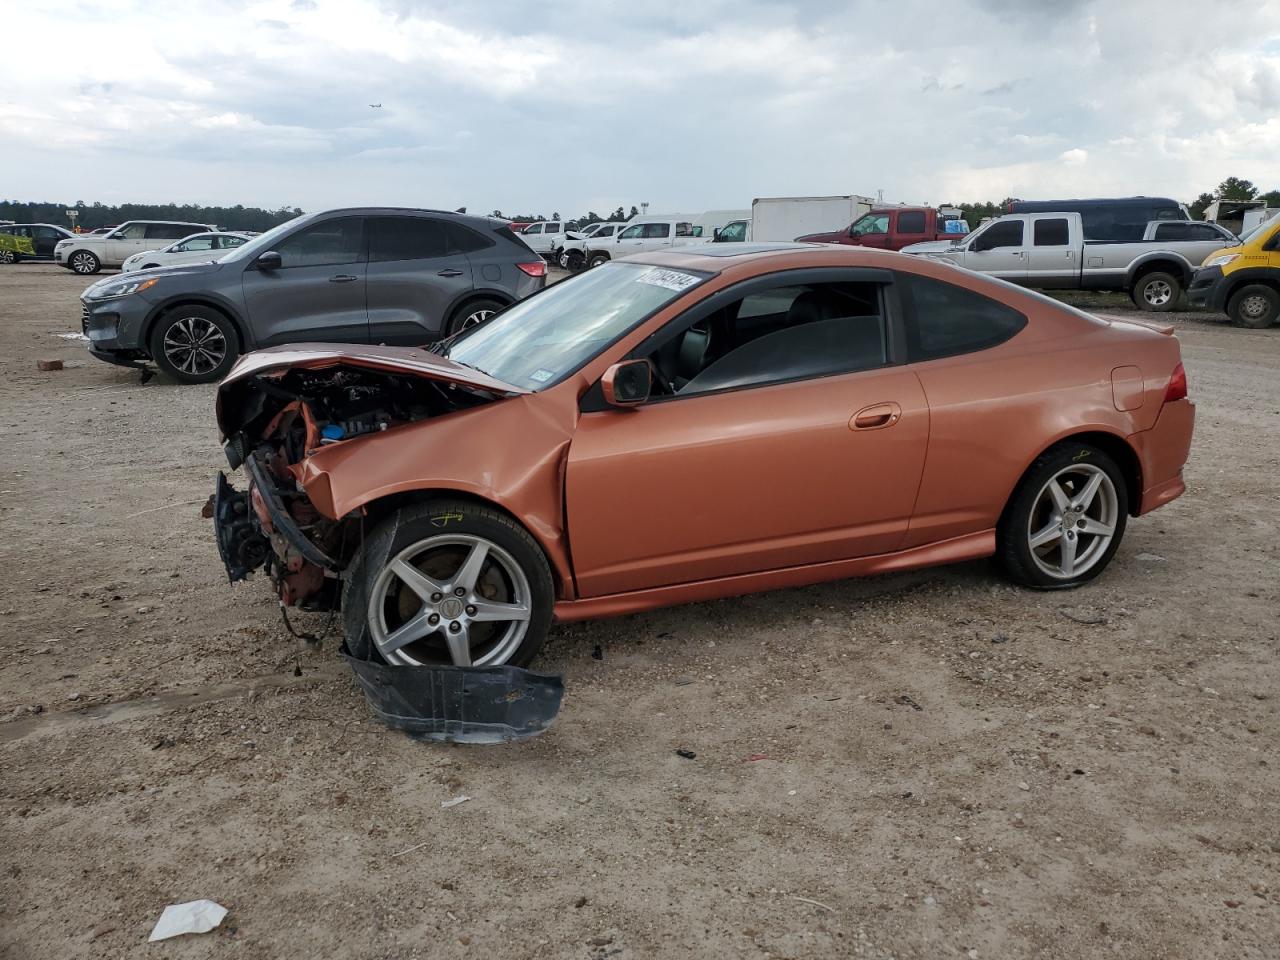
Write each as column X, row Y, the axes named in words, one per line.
column 952, row 767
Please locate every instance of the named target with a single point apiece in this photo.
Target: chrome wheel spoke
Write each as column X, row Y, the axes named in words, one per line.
column 469, row 572
column 413, row 629
column 459, row 646
column 1090, row 491
column 1048, row 534
column 1096, row 527
column 1068, row 553
column 488, row 611
column 417, row 581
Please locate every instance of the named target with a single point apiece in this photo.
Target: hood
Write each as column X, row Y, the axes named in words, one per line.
column 830, row 236
column 930, row 247
column 413, row 361
column 169, row 270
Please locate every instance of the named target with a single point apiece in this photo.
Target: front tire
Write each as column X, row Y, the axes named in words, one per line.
column 473, row 313
column 84, row 263
column 448, row 582
column 1157, row 292
column 194, row 345
column 1066, row 519
column 1254, row 306
column 8, row 256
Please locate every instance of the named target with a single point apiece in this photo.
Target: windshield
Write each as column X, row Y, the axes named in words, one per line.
column 538, row 342
column 1257, row 231
column 261, row 242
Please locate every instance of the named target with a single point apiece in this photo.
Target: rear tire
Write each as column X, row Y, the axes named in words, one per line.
column 84, row 263
column 1056, row 539
column 1254, row 306
column 598, row 258
column 472, row 313
column 436, row 539
column 1157, row 291
column 194, row 345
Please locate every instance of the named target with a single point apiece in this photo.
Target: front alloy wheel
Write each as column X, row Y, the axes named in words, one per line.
column 448, row 583
column 8, row 256
column 194, row 345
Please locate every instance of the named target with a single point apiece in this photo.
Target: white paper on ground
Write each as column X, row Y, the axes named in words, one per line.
column 198, row 916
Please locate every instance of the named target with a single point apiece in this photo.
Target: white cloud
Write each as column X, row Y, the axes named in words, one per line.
column 686, row 105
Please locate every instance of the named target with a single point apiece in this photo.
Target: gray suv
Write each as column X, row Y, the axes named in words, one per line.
column 369, row 275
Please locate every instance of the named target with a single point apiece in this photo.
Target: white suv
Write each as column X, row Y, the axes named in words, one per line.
column 88, row 254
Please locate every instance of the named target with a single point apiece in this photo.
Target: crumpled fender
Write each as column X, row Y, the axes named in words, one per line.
column 510, row 452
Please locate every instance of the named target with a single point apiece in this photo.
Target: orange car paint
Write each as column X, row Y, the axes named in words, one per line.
column 722, row 494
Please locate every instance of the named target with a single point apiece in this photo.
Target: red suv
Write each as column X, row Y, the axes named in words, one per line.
column 892, row 228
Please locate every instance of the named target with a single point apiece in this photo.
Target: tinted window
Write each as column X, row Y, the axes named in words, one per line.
column 1006, row 233
column 1187, row 231
column 1051, row 233
column 551, row 228
column 684, row 230
column 405, row 238
column 465, row 240
column 944, row 320
column 170, row 231
column 656, row 230
column 606, row 231
column 779, row 334
column 197, row 243
column 911, row 221
column 333, row 241
column 47, row 233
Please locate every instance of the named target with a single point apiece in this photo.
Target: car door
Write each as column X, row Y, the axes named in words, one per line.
column 414, row 277
column 44, row 240
column 999, row 250
column 1052, row 259
column 318, row 293
column 870, row 230
column 552, row 235
column 123, row 243
column 630, row 240
column 533, row 237
column 908, row 226
column 814, row 455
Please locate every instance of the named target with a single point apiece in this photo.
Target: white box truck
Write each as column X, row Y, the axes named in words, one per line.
column 785, row 218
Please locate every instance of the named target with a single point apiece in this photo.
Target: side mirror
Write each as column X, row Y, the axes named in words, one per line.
column 627, row 384
column 268, row 260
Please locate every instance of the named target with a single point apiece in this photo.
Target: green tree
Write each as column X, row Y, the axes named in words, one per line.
column 634, row 212
column 1233, row 188
column 1198, row 206
column 1271, row 198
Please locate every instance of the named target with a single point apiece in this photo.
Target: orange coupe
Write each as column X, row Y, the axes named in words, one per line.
column 676, row 427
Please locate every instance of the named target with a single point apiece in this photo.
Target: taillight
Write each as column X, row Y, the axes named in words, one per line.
column 1177, row 389
column 536, row 269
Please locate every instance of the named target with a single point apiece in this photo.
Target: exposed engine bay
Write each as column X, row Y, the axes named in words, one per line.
column 275, row 420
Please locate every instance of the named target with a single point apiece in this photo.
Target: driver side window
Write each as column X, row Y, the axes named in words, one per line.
column 775, row 335
column 871, row 223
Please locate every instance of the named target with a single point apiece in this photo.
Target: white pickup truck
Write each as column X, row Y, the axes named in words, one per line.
column 545, row 237
column 1048, row 251
column 573, row 255
column 642, row 237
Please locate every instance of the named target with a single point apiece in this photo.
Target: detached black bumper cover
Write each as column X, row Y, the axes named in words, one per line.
column 460, row 704
column 1206, row 289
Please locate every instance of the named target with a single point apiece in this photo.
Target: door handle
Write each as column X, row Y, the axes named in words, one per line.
column 449, row 273
column 342, row 278
column 876, row 416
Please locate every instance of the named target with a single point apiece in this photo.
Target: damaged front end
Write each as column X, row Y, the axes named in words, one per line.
column 277, row 409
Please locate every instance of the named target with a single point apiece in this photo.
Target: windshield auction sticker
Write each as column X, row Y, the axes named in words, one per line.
column 671, row 279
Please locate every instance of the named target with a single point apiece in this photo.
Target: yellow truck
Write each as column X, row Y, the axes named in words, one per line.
column 1244, row 280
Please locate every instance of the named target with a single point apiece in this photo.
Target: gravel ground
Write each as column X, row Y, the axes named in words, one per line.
column 925, row 765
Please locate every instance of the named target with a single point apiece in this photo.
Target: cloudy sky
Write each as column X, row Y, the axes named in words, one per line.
column 691, row 105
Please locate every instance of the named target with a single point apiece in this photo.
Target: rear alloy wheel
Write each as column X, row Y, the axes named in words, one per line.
column 194, row 345
column 8, row 256
column 1158, row 292
column 473, row 313
column 448, row 582
column 1255, row 306
column 1066, row 520
column 84, row 263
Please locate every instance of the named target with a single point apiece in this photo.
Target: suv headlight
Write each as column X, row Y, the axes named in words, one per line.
column 123, row 288
column 1223, row 260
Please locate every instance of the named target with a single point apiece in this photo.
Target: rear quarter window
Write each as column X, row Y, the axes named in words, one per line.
column 944, row 320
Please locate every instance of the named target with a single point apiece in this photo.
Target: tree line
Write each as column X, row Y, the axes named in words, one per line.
column 94, row 215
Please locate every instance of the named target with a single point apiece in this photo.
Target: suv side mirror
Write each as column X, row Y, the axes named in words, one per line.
column 627, row 384
column 268, row 260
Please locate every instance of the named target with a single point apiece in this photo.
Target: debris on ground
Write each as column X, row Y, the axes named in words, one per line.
column 197, row 916
column 446, row 804
column 687, row 754
column 48, row 365
column 906, row 701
